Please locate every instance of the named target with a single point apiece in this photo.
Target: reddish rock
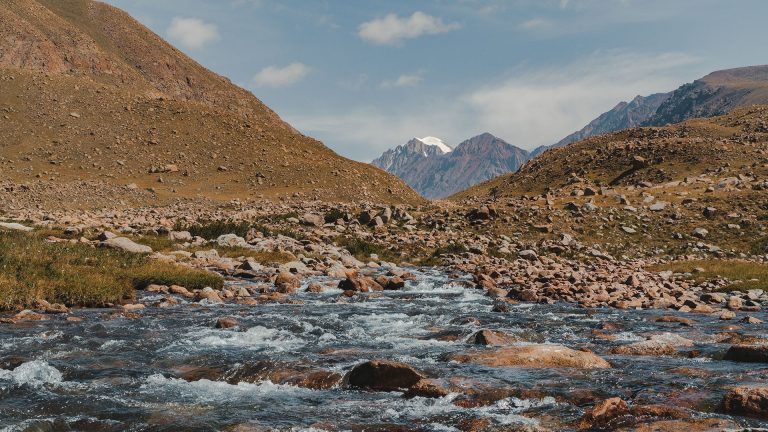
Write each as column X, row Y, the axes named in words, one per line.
column 383, row 375
column 535, row 356
column 750, row 401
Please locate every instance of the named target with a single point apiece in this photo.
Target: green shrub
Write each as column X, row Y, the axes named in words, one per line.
column 334, row 215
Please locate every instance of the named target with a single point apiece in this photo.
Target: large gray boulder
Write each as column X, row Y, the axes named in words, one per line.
column 125, row 244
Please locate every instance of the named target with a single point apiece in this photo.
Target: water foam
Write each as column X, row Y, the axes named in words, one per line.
column 34, row 374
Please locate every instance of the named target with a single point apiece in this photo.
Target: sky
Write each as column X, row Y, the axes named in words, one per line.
column 367, row 75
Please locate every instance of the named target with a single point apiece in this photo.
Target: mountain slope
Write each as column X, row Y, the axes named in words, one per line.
column 715, row 94
column 91, row 96
column 623, row 116
column 643, row 157
column 473, row 161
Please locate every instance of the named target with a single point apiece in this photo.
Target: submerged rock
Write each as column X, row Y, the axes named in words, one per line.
column 535, row 356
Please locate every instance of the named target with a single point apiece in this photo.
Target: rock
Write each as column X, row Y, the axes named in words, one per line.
column 657, row 207
column 125, row 244
column 700, row 233
column 132, row 307
column 287, row 283
column 426, row 388
column 751, row 320
column 734, row 303
column 750, row 401
column 210, row 295
column 383, row 375
column 232, row 240
column 656, row 345
column 638, row 162
column 314, row 287
column 528, row 255
column 747, row 353
column 603, row 412
column 311, row 219
column 727, row 315
column 180, row 290
column 491, row 337
column 675, row 319
column 106, row 235
column 15, row 226
column 226, row 323
column 535, row 356
column 210, row 255
column 394, row 283
column 354, row 282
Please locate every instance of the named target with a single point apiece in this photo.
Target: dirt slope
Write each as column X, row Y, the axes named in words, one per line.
column 90, row 96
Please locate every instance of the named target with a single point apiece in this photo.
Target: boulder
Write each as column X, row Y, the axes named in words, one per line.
column 231, row 240
column 311, row 219
column 383, row 375
column 226, row 323
column 656, row 345
column 125, row 244
column 535, row 356
column 748, row 353
column 750, row 401
column 13, row 226
column 287, row 283
column 603, row 412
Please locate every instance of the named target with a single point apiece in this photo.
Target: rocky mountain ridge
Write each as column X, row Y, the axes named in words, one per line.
column 713, row 95
column 439, row 174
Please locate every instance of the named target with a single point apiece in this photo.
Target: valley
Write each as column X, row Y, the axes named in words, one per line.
column 175, row 256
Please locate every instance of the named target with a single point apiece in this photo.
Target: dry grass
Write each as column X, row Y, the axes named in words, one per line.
column 744, row 275
column 79, row 275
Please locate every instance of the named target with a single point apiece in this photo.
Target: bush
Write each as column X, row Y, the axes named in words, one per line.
column 362, row 250
column 334, row 215
column 212, row 229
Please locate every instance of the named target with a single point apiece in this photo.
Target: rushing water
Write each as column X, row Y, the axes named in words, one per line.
column 124, row 374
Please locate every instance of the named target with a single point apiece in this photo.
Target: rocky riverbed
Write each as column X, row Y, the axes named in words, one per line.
column 434, row 355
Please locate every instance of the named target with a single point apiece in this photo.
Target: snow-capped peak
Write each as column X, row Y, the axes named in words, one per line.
column 433, row 141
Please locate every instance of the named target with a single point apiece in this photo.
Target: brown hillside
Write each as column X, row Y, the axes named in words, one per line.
column 734, row 142
column 692, row 187
column 88, row 94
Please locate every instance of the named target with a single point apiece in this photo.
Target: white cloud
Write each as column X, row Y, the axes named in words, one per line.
column 404, row 80
column 274, row 76
column 528, row 108
column 192, row 33
column 533, row 24
column 541, row 106
column 392, row 29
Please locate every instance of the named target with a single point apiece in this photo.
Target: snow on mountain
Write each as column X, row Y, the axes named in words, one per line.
column 434, row 141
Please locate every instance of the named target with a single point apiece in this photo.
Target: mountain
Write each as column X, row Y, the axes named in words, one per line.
column 437, row 173
column 623, row 116
column 397, row 161
column 702, row 158
column 715, row 94
column 97, row 110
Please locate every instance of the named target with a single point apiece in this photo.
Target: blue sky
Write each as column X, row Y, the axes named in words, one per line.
column 364, row 76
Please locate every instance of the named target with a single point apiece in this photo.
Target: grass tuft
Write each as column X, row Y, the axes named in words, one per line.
column 80, row 275
column 745, row 275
